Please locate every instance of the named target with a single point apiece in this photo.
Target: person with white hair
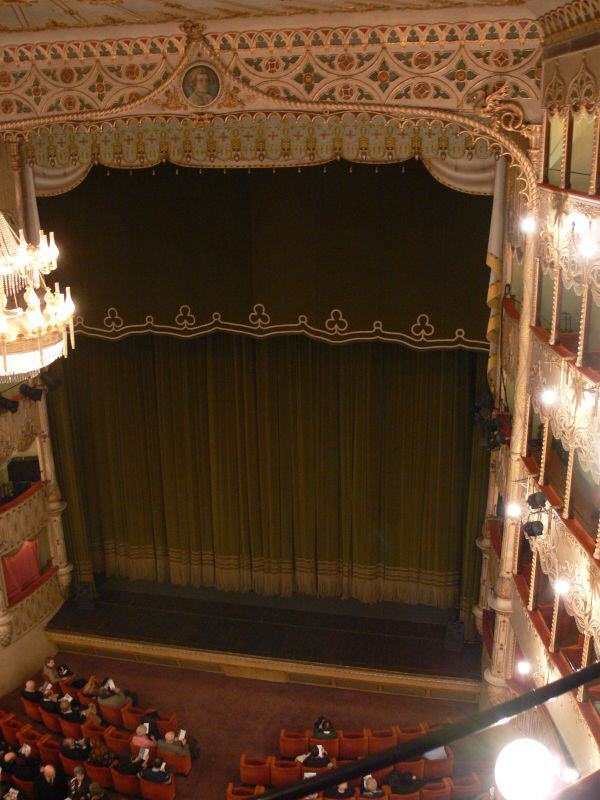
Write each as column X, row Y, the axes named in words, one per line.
column 173, row 745
column 79, row 785
column 31, row 692
column 49, row 784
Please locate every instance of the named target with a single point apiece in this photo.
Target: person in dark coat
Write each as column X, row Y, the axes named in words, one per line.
column 370, row 788
column 316, row 757
column 341, row 791
column 50, row 784
column 31, row 693
column 323, row 729
column 157, row 773
column 26, row 766
column 128, row 766
column 97, row 792
column 49, row 701
column 403, row 782
column 75, row 750
column 79, row 785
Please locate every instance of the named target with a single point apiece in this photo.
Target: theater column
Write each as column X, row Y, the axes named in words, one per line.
column 501, row 668
column 484, row 543
column 56, row 505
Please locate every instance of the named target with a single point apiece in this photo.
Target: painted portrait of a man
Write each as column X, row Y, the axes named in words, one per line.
column 201, row 85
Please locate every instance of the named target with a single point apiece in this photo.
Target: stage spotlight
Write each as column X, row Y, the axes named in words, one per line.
column 533, row 528
column 561, row 586
column 525, row 770
column 523, row 667
column 32, row 392
column 548, row 396
column 9, row 405
column 528, row 224
column 536, row 501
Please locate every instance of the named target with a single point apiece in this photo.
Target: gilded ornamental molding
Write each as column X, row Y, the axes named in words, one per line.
column 23, row 519
column 19, row 430
column 37, row 608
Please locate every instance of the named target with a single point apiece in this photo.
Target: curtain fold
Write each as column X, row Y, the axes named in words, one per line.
column 21, row 568
column 277, row 466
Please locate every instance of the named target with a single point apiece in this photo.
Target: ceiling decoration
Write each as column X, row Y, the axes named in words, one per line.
column 35, row 15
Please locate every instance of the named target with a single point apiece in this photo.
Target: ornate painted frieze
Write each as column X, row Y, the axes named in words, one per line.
column 23, row 520
column 569, row 19
column 437, row 65
column 510, row 346
column 18, row 430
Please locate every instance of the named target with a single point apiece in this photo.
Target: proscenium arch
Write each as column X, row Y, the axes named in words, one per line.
column 503, row 144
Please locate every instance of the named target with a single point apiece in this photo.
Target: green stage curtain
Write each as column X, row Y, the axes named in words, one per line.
column 276, row 466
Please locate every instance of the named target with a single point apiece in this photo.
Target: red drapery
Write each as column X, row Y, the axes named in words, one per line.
column 21, row 568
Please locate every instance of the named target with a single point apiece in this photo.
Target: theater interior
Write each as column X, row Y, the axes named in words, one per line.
column 299, row 399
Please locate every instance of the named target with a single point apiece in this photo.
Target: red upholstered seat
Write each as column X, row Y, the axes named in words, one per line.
column 117, row 741
column 157, row 791
column 439, row 790
column 24, row 787
column 255, row 770
column 166, row 724
column 439, row 767
column 292, row 743
column 51, row 721
column 101, row 775
column 31, row 709
column 65, row 685
column 466, row 788
column 332, row 746
column 411, row 732
column 416, row 767
column 179, row 763
column 243, row 792
column 285, row 772
column 412, row 796
column 112, row 715
column 49, row 749
column 132, row 716
column 341, row 763
column 10, row 726
column 382, row 740
column 93, row 732
column 84, row 699
column 70, row 729
column 29, row 735
column 69, row 764
column 125, row 784
column 354, row 744
column 381, row 774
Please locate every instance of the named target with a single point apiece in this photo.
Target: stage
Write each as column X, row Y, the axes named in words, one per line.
column 383, row 647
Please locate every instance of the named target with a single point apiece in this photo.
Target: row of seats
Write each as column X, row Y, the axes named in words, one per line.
column 466, row 788
column 350, row 744
column 273, row 771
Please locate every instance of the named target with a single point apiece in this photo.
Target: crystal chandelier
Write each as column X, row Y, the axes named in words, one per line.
column 35, row 322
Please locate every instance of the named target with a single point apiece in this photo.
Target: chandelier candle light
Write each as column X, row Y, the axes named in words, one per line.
column 33, row 318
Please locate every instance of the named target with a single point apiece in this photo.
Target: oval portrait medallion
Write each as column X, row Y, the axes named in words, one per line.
column 201, row 85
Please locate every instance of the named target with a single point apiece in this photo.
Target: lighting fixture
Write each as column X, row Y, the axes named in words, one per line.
column 587, row 248
column 525, row 770
column 533, row 528
column 536, row 501
column 32, row 392
column 548, row 396
column 523, row 667
column 35, row 322
column 561, row 586
column 9, row 405
column 513, row 509
column 570, row 775
column 528, row 224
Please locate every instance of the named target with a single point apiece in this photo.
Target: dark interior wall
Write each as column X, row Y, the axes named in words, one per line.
column 386, row 245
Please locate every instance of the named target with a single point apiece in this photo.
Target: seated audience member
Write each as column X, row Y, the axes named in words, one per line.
column 26, row 766
column 369, row 787
column 342, row 790
column 157, row 773
column 49, row 701
column 63, row 671
column 68, row 713
column 316, row 757
column 150, row 719
column 100, row 755
column 76, row 750
column 79, row 785
column 97, row 792
column 323, row 729
column 141, row 738
column 31, row 693
column 49, row 784
column 90, row 688
column 436, row 754
column 50, row 671
column 403, row 782
column 111, row 697
column 127, row 765
column 90, row 714
column 174, row 745
column 8, row 762
column 4, row 786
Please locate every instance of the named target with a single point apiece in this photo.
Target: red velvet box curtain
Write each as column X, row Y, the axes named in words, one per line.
column 21, row 569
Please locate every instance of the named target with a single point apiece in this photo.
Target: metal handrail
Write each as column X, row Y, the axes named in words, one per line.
column 409, row 751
